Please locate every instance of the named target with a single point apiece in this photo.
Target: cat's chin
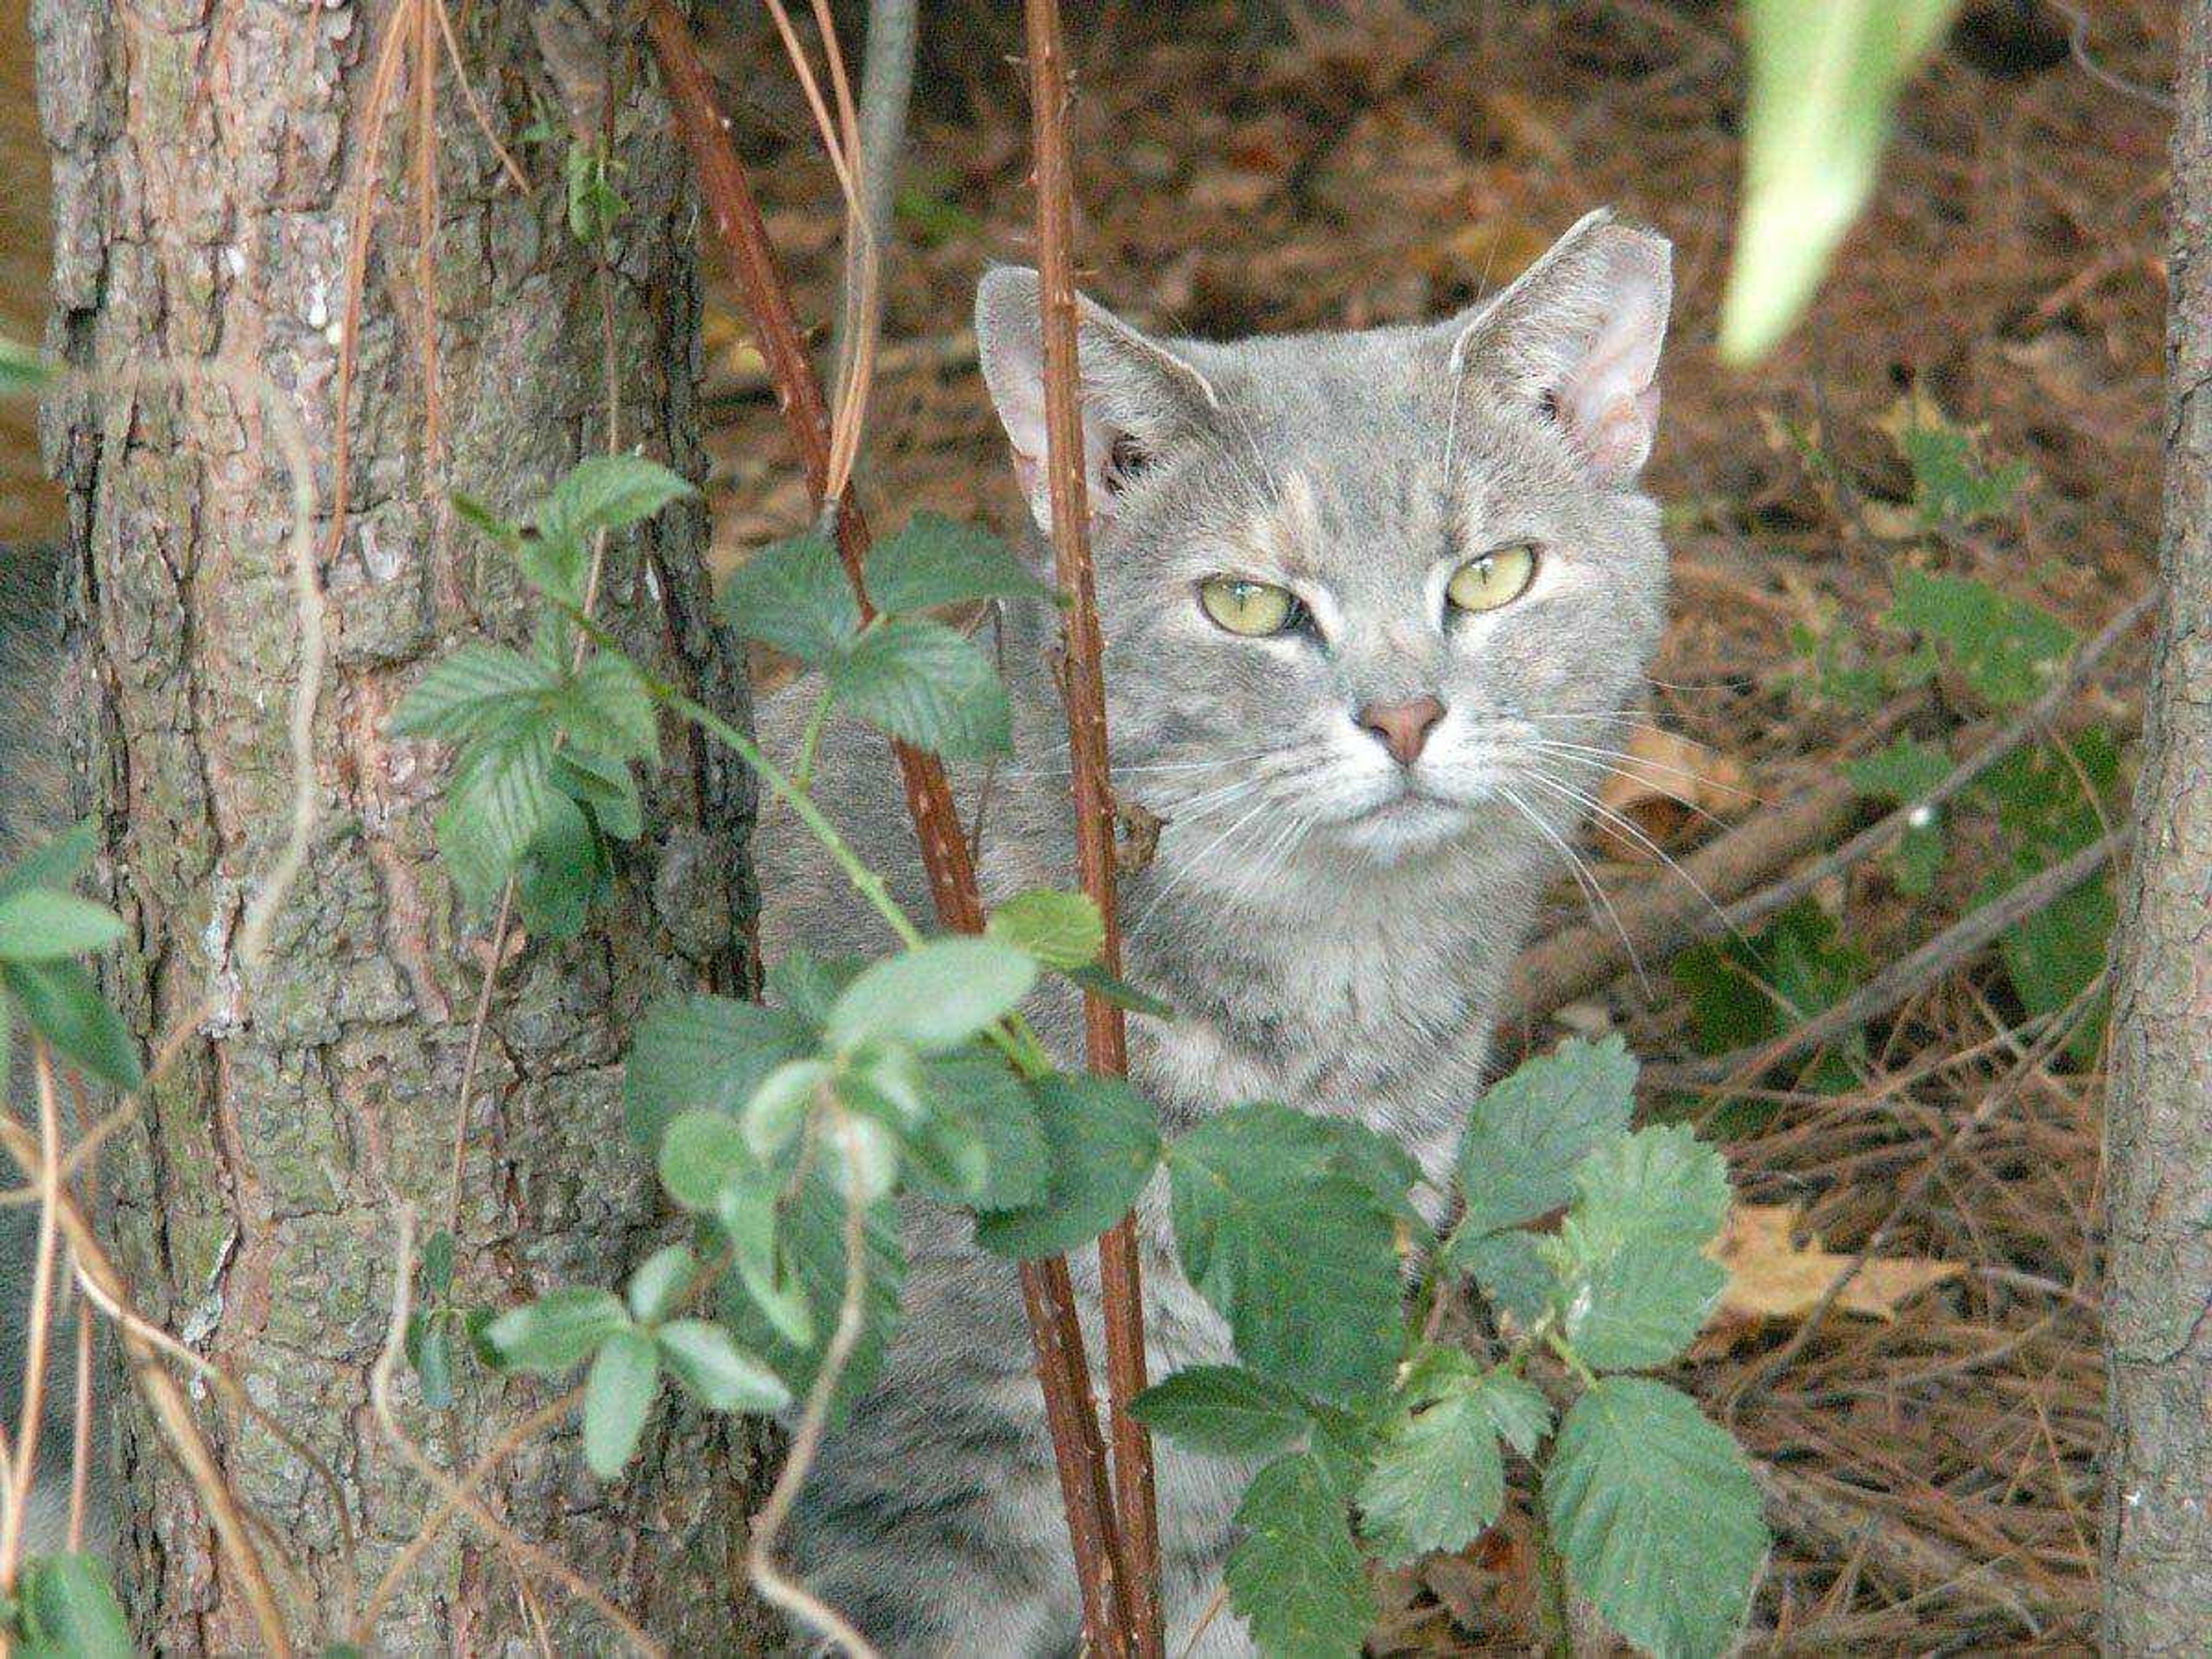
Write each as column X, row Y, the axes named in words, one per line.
column 1407, row 825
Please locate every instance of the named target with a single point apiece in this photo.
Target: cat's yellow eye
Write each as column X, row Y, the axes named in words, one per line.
column 1246, row 607
column 1499, row 577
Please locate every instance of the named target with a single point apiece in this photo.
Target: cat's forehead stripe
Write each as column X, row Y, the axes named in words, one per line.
column 1285, row 531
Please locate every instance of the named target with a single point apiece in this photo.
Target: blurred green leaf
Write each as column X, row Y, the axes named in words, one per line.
column 656, row 1289
column 68, row 1609
column 2007, row 648
column 1059, row 930
column 619, row 1396
column 560, row 1329
column 703, row 1051
column 41, row 925
column 1104, row 1139
column 934, row 995
column 725, row 1378
column 62, row 1003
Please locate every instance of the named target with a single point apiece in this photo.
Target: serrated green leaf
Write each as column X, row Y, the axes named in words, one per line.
column 2007, row 648
column 609, row 707
column 1296, row 1575
column 41, row 925
column 1509, row 1269
column 1526, row 1134
column 562, row 873
column 605, row 785
column 1635, row 1285
column 1296, row 1253
column 57, row 863
column 1523, row 1416
column 925, row 684
column 704, row 1052
column 701, row 1151
column 792, row 595
column 609, row 492
column 977, row 1097
column 935, row 561
column 61, row 1001
column 1379, row 1164
column 67, row 1606
column 809, row 986
column 1104, row 1140
column 1438, row 1481
column 1223, row 1411
column 499, row 799
column 471, row 690
column 560, row 1329
column 656, row 1289
column 1059, row 930
column 1657, row 1518
column 618, row 1396
column 813, row 1236
column 934, row 996
column 478, row 516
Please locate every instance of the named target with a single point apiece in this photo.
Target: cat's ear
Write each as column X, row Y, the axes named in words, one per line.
column 1578, row 336
column 1139, row 400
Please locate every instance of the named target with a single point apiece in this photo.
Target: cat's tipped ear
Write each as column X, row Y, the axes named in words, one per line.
column 1578, row 336
column 1138, row 399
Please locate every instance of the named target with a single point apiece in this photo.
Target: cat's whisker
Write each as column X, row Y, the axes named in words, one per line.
column 1587, row 883
column 1637, row 770
column 1189, row 865
column 1636, row 834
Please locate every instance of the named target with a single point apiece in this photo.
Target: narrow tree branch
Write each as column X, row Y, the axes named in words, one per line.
column 1105, row 1034
column 1046, row 1293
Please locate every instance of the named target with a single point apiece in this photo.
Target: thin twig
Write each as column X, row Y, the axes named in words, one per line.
column 1931, row 961
column 24, row 1471
column 541, row 1561
column 775, row 1585
column 1105, row 1034
column 81, row 1428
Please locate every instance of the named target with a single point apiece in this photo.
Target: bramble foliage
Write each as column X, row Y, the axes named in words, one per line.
column 790, row 1131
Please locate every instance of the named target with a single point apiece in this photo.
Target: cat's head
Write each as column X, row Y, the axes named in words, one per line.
column 1370, row 594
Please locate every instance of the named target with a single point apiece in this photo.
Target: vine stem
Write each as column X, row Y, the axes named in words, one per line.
column 1105, row 1033
column 1047, row 1293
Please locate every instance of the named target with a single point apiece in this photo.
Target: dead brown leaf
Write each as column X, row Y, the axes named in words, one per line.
column 1771, row 1276
column 1659, row 783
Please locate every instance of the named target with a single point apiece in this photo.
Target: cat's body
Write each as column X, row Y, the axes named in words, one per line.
column 1358, row 814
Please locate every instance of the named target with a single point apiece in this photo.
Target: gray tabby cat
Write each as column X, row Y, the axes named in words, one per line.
column 1373, row 605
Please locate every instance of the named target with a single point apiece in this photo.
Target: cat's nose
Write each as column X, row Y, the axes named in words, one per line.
column 1402, row 728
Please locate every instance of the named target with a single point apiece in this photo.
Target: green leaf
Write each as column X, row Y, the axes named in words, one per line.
column 1899, row 773
column 498, row 800
column 559, row 1330
column 609, row 492
column 814, row 1237
column 1119, row 992
column 934, row 560
column 438, row 1263
column 57, row 864
column 657, row 1288
column 809, row 986
column 619, row 1396
column 562, row 872
column 976, row 1097
column 434, row 1364
column 706, row 1052
column 1635, row 1284
column 609, row 707
column 605, row 785
column 1951, row 484
column 1296, row 1575
column 62, row 1003
column 1526, row 1134
column 934, row 996
column 701, row 1151
column 42, row 925
column 1523, row 1416
column 725, row 1378
column 1059, row 930
column 1222, row 1412
column 480, row 517
column 1380, row 1164
column 1511, row 1270
column 1657, row 1518
column 1824, row 75
column 470, row 691
column 68, row 1606
column 772, row 1119
column 1744, row 994
column 1296, row 1253
column 1438, row 1481
column 792, row 595
column 1104, row 1139
column 2007, row 648
column 862, row 1157
column 927, row 685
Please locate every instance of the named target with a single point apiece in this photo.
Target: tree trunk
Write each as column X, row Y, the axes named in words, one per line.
column 2158, row 1487
column 204, row 164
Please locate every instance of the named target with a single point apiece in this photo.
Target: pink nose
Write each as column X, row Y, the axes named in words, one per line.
column 1402, row 728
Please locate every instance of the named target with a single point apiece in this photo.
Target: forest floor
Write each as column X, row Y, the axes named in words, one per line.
column 1977, row 395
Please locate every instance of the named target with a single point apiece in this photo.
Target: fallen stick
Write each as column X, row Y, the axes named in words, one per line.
column 1664, row 917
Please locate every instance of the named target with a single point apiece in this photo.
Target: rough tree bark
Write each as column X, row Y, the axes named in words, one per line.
column 203, row 161
column 2158, row 1489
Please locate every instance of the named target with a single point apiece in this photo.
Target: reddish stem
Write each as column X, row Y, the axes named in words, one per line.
column 1105, row 1034
column 1049, row 1298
